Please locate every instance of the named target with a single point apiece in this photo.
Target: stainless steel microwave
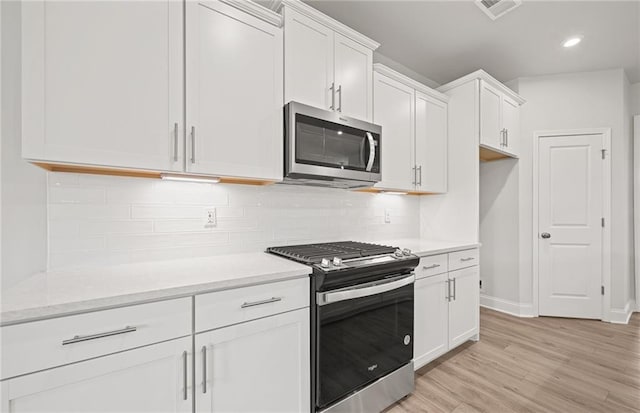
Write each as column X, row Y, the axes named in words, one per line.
column 325, row 148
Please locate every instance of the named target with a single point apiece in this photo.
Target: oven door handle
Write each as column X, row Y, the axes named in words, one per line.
column 365, row 291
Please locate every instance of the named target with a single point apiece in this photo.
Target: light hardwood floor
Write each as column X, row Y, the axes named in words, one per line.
column 534, row 365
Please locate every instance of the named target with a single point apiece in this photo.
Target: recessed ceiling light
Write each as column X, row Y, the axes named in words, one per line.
column 572, row 41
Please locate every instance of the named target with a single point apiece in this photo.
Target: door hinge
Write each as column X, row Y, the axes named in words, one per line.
column 604, row 153
column 602, row 222
column 602, row 289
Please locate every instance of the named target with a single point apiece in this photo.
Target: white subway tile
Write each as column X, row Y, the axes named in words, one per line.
column 76, row 195
column 167, row 211
column 153, row 241
column 115, row 227
column 78, row 244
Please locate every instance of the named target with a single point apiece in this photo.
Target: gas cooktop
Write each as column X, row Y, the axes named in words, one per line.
column 339, row 255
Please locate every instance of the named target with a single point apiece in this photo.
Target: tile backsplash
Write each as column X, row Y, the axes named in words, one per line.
column 101, row 220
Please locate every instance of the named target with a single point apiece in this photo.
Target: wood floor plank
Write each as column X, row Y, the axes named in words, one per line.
column 544, row 364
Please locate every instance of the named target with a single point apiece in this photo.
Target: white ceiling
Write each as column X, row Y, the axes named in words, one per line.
column 444, row 40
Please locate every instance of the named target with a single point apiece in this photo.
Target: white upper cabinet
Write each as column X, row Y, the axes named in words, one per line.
column 353, row 72
column 431, row 143
column 414, row 133
column 490, row 116
column 497, row 108
column 103, row 83
column 394, row 110
column 234, row 93
column 308, row 59
column 511, row 124
column 326, row 64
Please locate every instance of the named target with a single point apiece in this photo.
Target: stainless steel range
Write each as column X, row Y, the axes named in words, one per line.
column 361, row 324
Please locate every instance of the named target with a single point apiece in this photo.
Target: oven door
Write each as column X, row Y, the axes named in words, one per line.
column 363, row 333
column 327, row 144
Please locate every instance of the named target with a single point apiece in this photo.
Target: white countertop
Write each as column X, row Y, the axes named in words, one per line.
column 56, row 293
column 66, row 292
column 424, row 248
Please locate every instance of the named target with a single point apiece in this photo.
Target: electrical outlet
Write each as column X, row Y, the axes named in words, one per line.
column 211, row 217
column 387, row 216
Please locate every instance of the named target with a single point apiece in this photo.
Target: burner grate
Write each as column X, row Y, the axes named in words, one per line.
column 314, row 253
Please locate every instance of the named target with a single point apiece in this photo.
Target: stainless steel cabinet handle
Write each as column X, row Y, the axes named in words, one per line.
column 78, row 339
column 204, row 369
column 415, row 175
column 430, row 267
column 448, row 297
column 466, row 259
column 454, row 289
column 267, row 301
column 420, row 175
column 193, row 144
column 184, row 375
column 339, row 98
column 333, row 96
column 506, row 137
column 175, row 142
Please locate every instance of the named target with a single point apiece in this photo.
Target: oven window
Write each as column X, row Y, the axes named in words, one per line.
column 328, row 144
column 361, row 340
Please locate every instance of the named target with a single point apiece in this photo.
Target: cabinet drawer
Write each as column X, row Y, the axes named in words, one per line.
column 224, row 308
column 433, row 265
column 464, row 259
column 44, row 344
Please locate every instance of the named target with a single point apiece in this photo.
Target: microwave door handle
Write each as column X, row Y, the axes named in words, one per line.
column 372, row 151
column 349, row 294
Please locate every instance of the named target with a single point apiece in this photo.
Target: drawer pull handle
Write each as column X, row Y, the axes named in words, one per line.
column 430, row 267
column 267, row 301
column 466, row 259
column 78, row 339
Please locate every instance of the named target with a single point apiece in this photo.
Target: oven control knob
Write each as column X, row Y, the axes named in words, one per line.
column 406, row 251
column 337, row 261
column 325, row 263
column 398, row 253
column 407, row 340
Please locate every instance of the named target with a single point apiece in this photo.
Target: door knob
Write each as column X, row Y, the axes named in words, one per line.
column 545, row 235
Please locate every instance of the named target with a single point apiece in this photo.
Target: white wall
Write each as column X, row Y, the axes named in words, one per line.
column 635, row 99
column 24, row 227
column 576, row 101
column 499, row 220
column 96, row 220
column 400, row 68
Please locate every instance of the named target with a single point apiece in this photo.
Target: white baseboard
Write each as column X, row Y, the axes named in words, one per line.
column 622, row 315
column 506, row 306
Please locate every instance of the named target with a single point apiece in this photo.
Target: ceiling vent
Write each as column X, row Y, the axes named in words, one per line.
column 497, row 8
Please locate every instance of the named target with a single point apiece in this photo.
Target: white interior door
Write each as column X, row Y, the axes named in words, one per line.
column 570, row 205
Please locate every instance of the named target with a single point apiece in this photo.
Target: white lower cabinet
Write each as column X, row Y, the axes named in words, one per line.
column 155, row 378
column 446, row 312
column 256, row 366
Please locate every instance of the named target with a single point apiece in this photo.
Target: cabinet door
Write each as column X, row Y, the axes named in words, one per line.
column 464, row 305
column 431, row 319
column 353, row 72
column 490, row 116
column 431, row 144
column 511, row 122
column 234, row 93
column 102, row 83
column 147, row 379
column 393, row 109
column 257, row 366
column 308, row 61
